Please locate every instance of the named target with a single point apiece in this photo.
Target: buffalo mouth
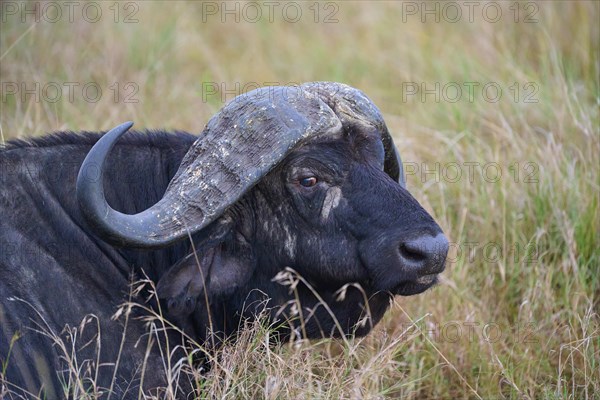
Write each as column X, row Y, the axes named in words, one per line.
column 421, row 284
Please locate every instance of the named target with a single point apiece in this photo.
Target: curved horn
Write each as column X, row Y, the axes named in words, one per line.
column 353, row 107
column 239, row 145
column 393, row 164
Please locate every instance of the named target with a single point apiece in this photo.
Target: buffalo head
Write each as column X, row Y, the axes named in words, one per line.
column 302, row 177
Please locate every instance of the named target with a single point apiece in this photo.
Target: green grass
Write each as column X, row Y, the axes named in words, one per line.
column 544, row 300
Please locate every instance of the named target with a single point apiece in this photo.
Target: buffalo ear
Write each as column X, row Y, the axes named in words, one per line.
column 223, row 262
column 231, row 268
column 182, row 284
column 186, row 280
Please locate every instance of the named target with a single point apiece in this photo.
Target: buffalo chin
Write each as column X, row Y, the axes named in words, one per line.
column 415, row 287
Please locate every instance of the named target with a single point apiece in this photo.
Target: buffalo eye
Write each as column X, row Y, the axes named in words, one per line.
column 309, row 181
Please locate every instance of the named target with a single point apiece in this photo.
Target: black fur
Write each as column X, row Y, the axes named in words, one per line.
column 54, row 270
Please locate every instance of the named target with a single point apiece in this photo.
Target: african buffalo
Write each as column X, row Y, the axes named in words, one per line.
column 304, row 179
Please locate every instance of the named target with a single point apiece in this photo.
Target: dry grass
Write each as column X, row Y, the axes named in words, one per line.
column 516, row 315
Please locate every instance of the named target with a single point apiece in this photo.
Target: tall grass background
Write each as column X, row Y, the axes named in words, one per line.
column 516, row 312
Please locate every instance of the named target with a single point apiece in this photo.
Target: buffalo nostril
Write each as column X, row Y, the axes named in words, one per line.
column 411, row 251
column 427, row 253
